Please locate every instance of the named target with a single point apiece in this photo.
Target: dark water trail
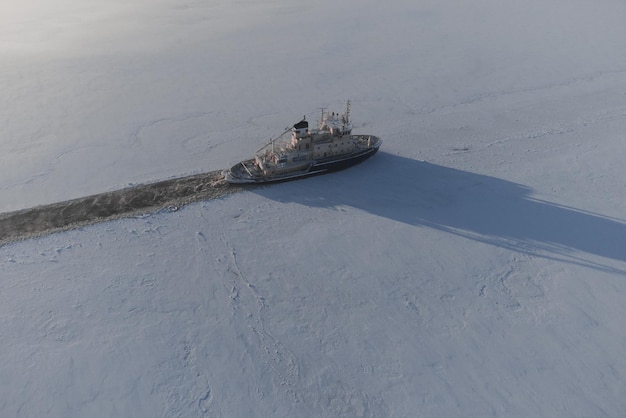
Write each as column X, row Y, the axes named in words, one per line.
column 45, row 219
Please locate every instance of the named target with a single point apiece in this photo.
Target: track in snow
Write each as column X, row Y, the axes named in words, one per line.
column 41, row 220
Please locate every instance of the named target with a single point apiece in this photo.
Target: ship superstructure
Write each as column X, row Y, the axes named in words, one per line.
column 307, row 151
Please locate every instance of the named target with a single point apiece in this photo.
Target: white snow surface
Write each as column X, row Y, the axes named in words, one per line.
column 476, row 266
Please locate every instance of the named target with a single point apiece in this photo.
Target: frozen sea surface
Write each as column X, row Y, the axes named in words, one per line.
column 474, row 267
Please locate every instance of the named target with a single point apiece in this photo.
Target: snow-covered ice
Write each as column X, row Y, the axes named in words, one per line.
column 475, row 266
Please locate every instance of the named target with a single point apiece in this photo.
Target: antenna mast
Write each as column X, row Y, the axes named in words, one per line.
column 346, row 116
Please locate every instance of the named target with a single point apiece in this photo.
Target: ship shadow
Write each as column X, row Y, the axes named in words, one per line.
column 474, row 206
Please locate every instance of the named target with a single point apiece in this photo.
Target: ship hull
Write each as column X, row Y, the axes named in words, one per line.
column 239, row 173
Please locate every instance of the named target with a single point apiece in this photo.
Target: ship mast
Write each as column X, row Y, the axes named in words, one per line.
column 346, row 116
column 323, row 117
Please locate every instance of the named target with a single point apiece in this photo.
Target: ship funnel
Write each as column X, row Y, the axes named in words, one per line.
column 301, row 128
